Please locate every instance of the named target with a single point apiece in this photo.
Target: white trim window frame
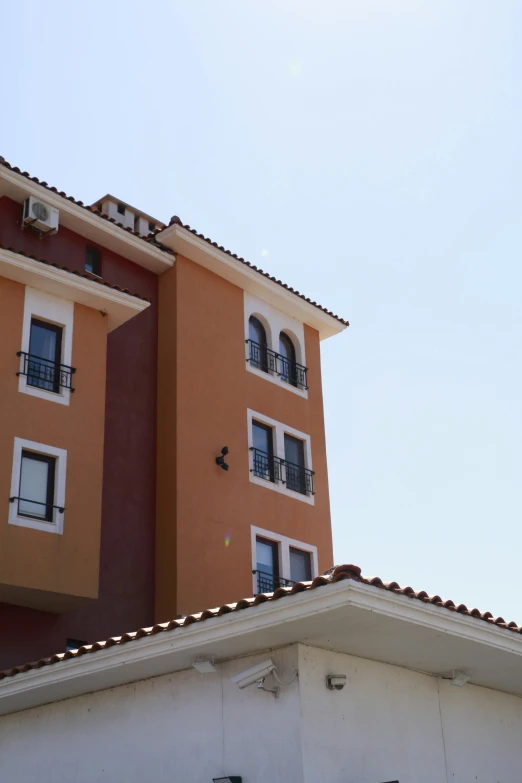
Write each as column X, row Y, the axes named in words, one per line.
column 60, row 455
column 284, row 545
column 278, row 434
column 55, row 311
column 274, row 321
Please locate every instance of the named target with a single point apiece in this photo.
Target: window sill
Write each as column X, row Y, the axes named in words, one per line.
column 282, row 489
column 277, row 380
column 36, row 524
column 62, row 397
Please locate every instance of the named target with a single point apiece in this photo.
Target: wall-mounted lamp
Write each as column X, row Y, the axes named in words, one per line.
column 228, row 779
column 222, row 464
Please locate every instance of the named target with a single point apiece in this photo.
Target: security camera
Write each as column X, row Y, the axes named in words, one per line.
column 254, row 674
column 335, row 682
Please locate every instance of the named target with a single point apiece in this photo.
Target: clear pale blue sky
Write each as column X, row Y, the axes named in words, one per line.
column 367, row 152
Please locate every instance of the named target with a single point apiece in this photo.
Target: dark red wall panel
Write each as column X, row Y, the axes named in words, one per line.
column 126, row 599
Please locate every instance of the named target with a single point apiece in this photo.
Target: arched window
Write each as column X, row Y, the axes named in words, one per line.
column 287, row 359
column 258, row 345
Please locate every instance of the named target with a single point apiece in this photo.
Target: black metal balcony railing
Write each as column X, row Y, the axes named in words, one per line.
column 273, row 469
column 44, row 373
column 262, row 357
column 267, row 583
column 42, row 511
column 266, row 467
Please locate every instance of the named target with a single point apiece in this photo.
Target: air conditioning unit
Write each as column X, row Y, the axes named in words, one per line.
column 40, row 215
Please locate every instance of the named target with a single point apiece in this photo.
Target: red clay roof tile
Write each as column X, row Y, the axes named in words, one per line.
column 149, row 239
column 175, row 220
column 334, row 574
column 87, row 275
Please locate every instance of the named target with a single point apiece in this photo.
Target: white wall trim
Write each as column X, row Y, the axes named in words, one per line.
column 56, row 526
column 275, row 322
column 285, row 544
column 279, row 430
column 56, row 311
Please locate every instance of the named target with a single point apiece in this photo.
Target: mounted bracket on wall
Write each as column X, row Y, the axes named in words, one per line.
column 221, row 460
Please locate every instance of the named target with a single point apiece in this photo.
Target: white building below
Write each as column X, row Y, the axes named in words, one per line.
column 141, row 712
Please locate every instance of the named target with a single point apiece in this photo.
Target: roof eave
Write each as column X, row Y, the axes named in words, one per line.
column 117, row 305
column 185, row 243
column 87, row 223
column 348, row 616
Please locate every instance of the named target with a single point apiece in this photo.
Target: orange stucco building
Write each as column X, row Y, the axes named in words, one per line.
column 161, row 451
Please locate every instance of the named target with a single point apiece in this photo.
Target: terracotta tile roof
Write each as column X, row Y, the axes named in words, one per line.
column 335, row 574
column 86, row 275
column 177, row 221
column 150, row 239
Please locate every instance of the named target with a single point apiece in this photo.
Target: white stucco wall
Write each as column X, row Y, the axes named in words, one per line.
column 180, row 728
column 387, row 724
column 392, row 724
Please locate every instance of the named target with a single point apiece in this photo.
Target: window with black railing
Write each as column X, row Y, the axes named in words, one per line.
column 44, row 373
column 37, row 487
column 271, row 468
column 36, row 509
column 267, row 583
column 41, row 364
column 264, row 358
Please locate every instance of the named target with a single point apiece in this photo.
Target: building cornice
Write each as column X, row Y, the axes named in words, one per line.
column 82, row 220
column 119, row 306
column 195, row 247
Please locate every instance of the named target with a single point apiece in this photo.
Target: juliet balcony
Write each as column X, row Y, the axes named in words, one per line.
column 44, row 373
column 267, row 583
column 263, row 358
column 271, row 468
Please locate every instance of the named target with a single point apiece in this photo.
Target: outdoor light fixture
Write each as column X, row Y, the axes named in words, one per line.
column 223, row 465
column 460, row 678
column 204, row 667
column 228, row 779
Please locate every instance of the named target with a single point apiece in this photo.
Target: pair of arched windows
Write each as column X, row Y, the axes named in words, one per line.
column 283, row 363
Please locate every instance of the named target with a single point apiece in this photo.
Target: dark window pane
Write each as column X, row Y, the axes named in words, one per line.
column 262, row 441
column 258, row 346
column 36, row 486
column 300, row 565
column 267, row 565
column 92, row 260
column 287, row 360
column 262, row 437
column 256, row 330
column 121, row 209
column 294, row 464
column 152, row 226
column 45, row 349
